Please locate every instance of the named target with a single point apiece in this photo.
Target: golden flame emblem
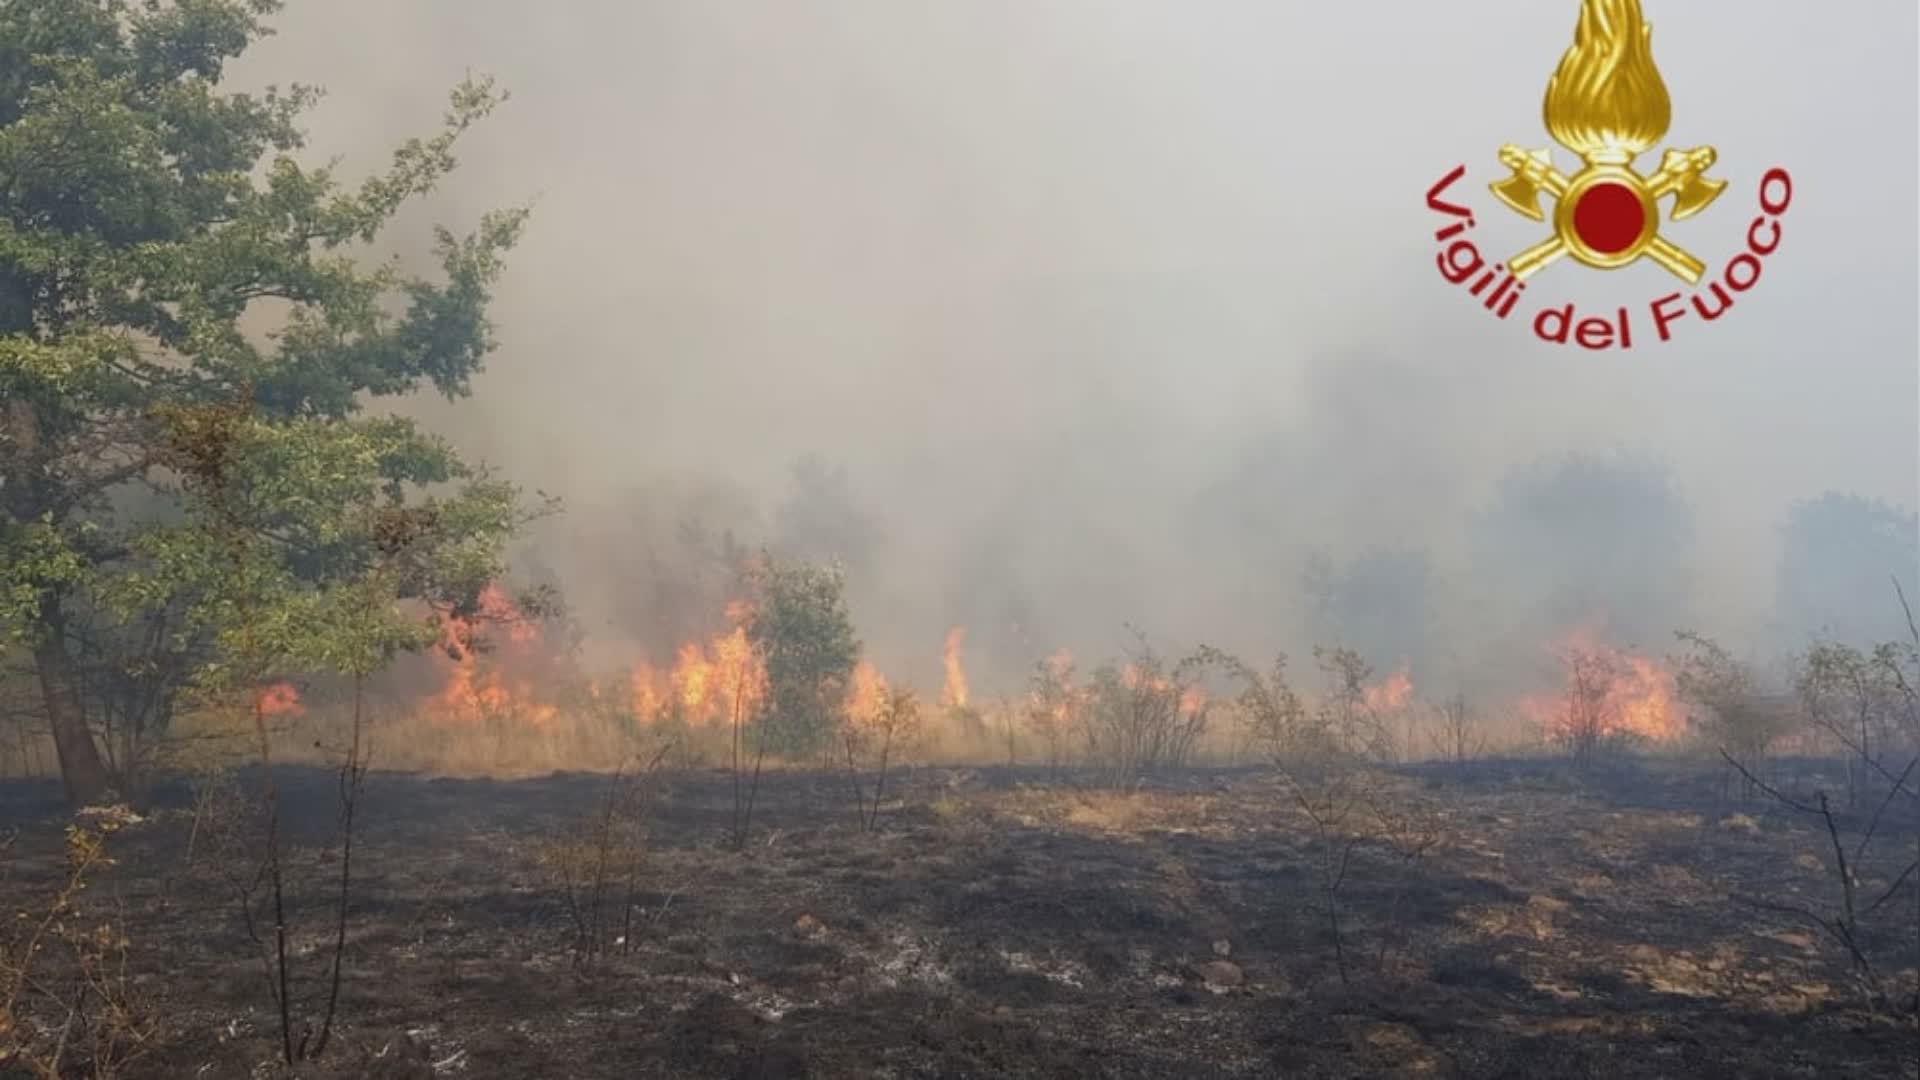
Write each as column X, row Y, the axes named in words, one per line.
column 1608, row 104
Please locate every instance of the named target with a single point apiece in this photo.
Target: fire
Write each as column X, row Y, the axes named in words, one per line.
column 954, row 694
column 1607, row 101
column 1392, row 695
column 281, row 699
column 868, row 695
column 517, row 675
column 1609, row 688
column 706, row 683
column 481, row 689
column 1192, row 698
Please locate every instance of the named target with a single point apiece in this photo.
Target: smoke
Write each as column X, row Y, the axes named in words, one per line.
column 1125, row 312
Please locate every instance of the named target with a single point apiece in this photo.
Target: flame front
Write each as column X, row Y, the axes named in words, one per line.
column 1638, row 695
column 1607, row 101
column 281, row 699
column 955, row 692
column 1392, row 695
column 503, row 687
column 868, row 697
column 706, row 684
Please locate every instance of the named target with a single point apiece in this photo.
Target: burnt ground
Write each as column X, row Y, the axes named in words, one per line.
column 1001, row 924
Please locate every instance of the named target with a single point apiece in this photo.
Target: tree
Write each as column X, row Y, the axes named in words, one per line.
column 871, row 740
column 1346, row 711
column 1055, row 707
column 805, row 635
column 822, row 520
column 1589, row 722
column 1456, row 734
column 1864, row 703
column 150, row 226
column 1836, row 552
column 1586, row 536
column 1379, row 602
column 1738, row 719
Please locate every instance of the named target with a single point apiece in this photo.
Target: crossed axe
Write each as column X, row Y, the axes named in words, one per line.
column 1682, row 175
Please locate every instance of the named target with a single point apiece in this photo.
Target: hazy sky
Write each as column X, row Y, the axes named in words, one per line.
column 1051, row 276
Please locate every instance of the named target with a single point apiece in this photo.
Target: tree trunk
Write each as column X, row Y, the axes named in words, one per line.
column 81, row 770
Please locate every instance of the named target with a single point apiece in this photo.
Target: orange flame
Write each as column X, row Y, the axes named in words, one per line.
column 868, row 697
column 705, row 685
column 1392, row 695
column 281, row 699
column 955, row 692
column 478, row 689
column 1061, row 663
column 1637, row 696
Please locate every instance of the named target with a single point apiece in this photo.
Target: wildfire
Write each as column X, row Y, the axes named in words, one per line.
column 1061, row 663
column 868, row 695
column 1392, row 695
column 706, row 683
column 479, row 689
column 954, row 694
column 1612, row 689
column 281, row 699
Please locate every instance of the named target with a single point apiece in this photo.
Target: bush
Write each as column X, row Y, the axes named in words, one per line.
column 803, row 631
column 1144, row 716
column 1736, row 717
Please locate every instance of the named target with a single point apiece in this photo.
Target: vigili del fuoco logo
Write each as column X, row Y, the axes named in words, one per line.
column 1608, row 104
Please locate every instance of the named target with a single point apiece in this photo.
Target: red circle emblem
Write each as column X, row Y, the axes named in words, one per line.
column 1610, row 218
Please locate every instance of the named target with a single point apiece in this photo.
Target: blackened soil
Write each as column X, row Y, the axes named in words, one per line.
column 1000, row 923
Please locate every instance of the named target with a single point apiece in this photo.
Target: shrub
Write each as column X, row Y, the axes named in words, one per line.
column 803, row 631
column 1144, row 716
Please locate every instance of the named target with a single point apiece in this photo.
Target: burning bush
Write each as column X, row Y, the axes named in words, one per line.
column 1143, row 715
column 1611, row 700
column 1055, row 708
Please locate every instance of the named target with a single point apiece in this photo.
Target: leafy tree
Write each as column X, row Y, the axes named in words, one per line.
column 1586, row 536
column 1838, row 555
column 298, row 544
column 1379, row 602
column 1345, row 710
column 1863, row 702
column 151, row 226
column 802, row 629
column 822, row 520
column 1736, row 717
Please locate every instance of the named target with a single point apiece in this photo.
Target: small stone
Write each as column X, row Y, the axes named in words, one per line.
column 1221, row 973
column 1003, row 1010
column 1223, row 948
column 807, row 924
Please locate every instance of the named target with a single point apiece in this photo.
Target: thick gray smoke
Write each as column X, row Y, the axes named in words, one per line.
column 1124, row 311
